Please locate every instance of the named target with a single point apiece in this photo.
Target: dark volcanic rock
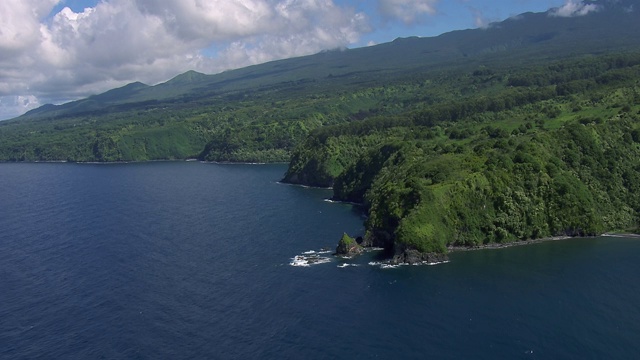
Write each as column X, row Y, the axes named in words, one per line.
column 378, row 238
column 412, row 256
column 309, row 177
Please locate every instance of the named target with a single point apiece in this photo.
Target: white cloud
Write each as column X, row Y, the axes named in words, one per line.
column 574, row 8
column 11, row 105
column 20, row 24
column 71, row 54
column 407, row 11
column 479, row 19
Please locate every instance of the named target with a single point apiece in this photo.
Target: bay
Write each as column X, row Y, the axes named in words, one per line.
column 185, row 260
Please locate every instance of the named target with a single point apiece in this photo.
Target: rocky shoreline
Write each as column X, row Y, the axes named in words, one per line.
column 412, row 257
column 507, row 245
column 349, row 247
column 533, row 241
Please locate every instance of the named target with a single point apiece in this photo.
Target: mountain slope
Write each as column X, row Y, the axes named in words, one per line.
column 261, row 112
column 528, row 37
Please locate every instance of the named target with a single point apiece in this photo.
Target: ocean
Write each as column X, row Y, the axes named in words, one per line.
column 186, row 260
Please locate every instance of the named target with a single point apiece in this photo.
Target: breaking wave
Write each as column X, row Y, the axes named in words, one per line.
column 388, row 265
column 311, row 257
column 344, row 265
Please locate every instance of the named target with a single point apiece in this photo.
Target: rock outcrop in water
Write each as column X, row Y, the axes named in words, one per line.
column 348, row 246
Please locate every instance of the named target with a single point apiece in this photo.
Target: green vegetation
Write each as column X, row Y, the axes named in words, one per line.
column 526, row 129
column 347, row 246
column 260, row 113
column 516, row 160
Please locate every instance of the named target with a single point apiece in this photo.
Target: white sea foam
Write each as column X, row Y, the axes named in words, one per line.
column 434, row 263
column 344, row 265
column 387, row 265
column 232, row 163
column 340, row 202
column 383, row 264
column 626, row 235
column 304, row 186
column 390, row 266
column 309, row 258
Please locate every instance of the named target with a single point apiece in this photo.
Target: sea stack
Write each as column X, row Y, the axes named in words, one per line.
column 348, row 247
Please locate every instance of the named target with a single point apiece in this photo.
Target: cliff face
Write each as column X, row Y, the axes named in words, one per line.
column 310, row 175
column 413, row 257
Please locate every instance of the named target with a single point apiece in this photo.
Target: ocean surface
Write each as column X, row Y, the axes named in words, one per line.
column 184, row 260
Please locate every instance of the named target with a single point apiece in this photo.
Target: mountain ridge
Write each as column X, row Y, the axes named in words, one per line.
column 260, row 113
column 529, row 36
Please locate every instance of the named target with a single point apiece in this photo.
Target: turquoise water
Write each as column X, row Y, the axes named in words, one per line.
column 189, row 260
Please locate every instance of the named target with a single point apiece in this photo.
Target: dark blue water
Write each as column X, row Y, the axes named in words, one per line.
column 189, row 260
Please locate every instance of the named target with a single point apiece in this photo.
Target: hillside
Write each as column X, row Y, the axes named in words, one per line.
column 551, row 150
column 260, row 113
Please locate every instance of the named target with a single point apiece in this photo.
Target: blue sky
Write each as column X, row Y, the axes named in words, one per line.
column 455, row 15
column 54, row 51
column 450, row 15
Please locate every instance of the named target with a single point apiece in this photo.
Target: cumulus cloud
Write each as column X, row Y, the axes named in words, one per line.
column 20, row 24
column 407, row 11
column 48, row 57
column 574, row 8
column 11, row 105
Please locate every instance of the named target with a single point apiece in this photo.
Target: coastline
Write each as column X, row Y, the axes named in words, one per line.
column 452, row 249
column 303, row 186
column 241, row 163
column 492, row 246
column 630, row 235
column 139, row 162
column 332, row 201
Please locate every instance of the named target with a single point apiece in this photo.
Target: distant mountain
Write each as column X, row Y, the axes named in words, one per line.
column 526, row 38
column 118, row 94
column 94, row 102
column 189, row 77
